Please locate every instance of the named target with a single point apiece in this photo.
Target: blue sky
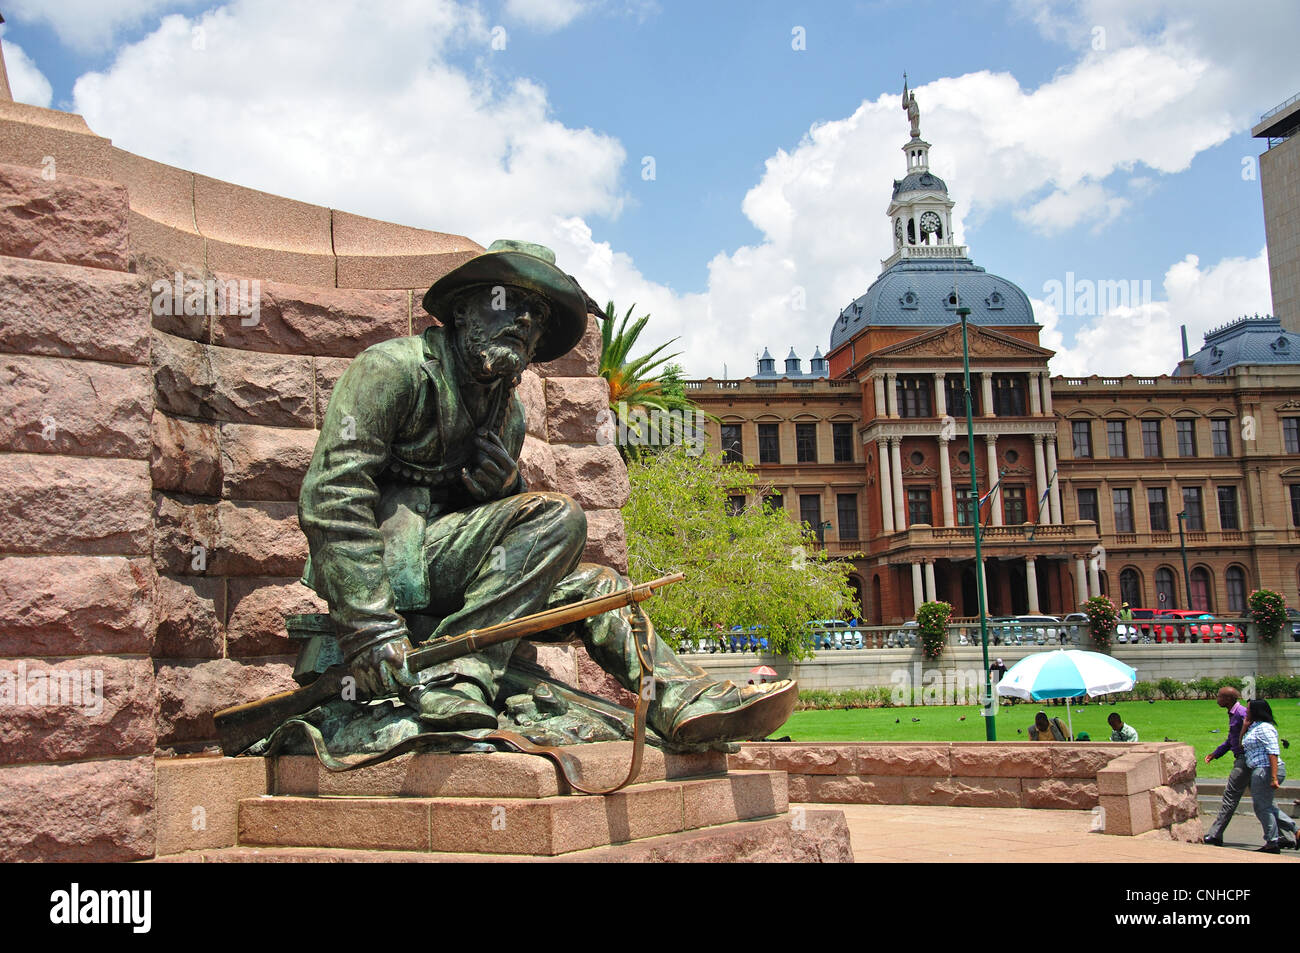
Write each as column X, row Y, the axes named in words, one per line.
column 1113, row 154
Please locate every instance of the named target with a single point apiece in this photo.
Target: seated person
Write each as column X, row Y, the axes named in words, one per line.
column 1045, row 729
column 1120, row 731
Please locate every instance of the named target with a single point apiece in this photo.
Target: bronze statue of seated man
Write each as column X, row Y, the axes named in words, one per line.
column 420, row 525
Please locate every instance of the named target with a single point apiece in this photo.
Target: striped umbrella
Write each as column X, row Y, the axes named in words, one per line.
column 1066, row 673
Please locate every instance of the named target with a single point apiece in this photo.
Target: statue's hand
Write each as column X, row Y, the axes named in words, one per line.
column 496, row 469
column 381, row 669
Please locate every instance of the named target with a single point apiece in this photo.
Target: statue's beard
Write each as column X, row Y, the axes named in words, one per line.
column 490, row 359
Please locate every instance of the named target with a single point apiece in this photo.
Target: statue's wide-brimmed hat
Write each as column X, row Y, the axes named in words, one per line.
column 520, row 265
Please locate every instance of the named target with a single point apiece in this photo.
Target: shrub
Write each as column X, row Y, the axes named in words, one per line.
column 931, row 619
column 1102, row 616
column 1229, row 681
column 1268, row 612
column 1171, row 688
column 1142, row 691
column 1206, row 687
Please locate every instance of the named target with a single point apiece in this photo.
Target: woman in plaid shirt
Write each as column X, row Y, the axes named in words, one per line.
column 1263, row 757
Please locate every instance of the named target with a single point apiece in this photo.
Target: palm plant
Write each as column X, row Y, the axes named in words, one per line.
column 632, row 383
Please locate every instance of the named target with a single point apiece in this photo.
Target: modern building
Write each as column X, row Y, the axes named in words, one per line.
column 1279, row 182
column 1083, row 483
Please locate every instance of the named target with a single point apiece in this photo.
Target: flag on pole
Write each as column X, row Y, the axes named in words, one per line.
column 1047, row 492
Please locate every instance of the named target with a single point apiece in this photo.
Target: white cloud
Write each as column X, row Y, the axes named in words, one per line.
column 88, row 25
column 545, row 14
column 1144, row 338
column 26, row 81
column 1065, row 208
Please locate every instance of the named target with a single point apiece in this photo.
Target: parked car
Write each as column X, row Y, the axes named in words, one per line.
column 834, row 633
column 1192, row 625
column 1293, row 618
column 1043, row 629
column 1140, row 629
column 743, row 640
column 1075, row 625
column 904, row 637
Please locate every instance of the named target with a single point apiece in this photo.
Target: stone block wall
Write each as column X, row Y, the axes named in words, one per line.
column 1136, row 787
column 151, row 462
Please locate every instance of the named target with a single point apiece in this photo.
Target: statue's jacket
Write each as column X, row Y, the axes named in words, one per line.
column 387, row 463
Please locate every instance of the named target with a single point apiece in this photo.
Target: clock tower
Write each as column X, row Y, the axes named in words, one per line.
column 920, row 210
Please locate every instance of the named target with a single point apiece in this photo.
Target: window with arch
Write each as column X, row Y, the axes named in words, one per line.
column 1235, row 577
column 1130, row 587
column 1166, row 597
column 1201, row 588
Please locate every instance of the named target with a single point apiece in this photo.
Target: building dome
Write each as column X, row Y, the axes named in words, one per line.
column 1248, row 340
column 919, row 182
column 918, row 293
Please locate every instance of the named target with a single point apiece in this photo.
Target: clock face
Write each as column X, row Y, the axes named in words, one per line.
column 929, row 223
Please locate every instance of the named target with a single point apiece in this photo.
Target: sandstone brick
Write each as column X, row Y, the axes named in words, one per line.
column 78, row 505
column 258, row 608
column 847, row 789
column 1058, row 794
column 963, row 791
column 1127, row 814
column 298, row 319
column 190, row 614
column 1174, row 803
column 182, row 376
column 1177, row 764
column 582, row 361
column 1129, row 774
column 594, row 476
column 105, row 707
column 254, row 388
column 572, row 406
column 185, row 457
column 68, row 219
column 752, row 756
column 377, row 824
column 558, row 660
column 180, row 524
column 1082, row 762
column 1189, row 831
column 537, row 464
column 915, row 760
column 189, row 693
column 328, row 370
column 161, row 274
column 740, row 796
column 258, row 539
column 75, row 605
column 606, row 539
column 1001, row 761
column 596, row 681
column 532, row 391
column 73, row 311
column 207, row 790
column 264, row 463
column 60, row 813
column 82, row 408
column 813, row 759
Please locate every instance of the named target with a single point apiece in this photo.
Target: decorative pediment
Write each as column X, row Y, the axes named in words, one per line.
column 984, row 343
column 1288, row 405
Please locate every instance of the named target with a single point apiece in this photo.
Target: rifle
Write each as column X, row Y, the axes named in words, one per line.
column 243, row 726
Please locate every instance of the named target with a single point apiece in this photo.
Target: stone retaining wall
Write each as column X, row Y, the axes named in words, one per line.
column 1134, row 788
column 150, row 463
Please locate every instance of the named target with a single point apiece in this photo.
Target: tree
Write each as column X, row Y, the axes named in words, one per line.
column 752, row 567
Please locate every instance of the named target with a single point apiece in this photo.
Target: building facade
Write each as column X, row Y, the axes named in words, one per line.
column 1279, row 181
column 1081, row 484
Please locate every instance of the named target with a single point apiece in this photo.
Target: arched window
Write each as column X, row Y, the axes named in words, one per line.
column 1201, row 589
column 1236, row 580
column 1166, row 597
column 1130, row 587
column 1104, row 579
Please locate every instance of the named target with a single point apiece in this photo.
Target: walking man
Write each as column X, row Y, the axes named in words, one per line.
column 1239, row 777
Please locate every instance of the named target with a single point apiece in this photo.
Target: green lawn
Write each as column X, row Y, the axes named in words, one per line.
column 1187, row 721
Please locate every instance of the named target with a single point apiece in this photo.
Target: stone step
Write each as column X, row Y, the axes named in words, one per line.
column 493, row 775
column 802, row 836
column 511, row 825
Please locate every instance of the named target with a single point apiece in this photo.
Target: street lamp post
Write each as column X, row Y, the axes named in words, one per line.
column 990, row 720
column 1182, row 545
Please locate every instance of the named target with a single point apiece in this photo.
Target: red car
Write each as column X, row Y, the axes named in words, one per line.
column 1200, row 624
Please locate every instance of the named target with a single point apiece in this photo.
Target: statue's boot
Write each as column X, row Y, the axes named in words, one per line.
column 688, row 706
column 457, row 708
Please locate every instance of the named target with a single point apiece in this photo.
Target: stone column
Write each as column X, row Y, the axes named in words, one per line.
column 1031, row 584
column 1058, row 514
column 940, row 395
column 930, row 593
column 879, row 383
column 945, row 484
column 886, row 485
column 986, row 385
column 995, row 501
column 900, row 494
column 1080, row 582
column 1035, row 405
column 918, row 593
column 1040, row 477
column 891, row 393
column 1047, row 393
column 1094, row 577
